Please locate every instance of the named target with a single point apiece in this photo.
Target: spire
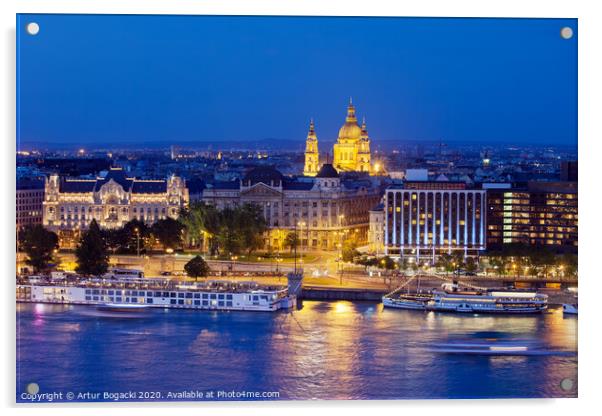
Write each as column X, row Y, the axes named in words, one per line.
column 312, row 132
column 351, row 112
column 364, row 129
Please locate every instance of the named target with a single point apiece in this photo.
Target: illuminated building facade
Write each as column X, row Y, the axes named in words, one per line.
column 426, row 219
column 324, row 210
column 30, row 196
column 376, row 231
column 352, row 149
column 312, row 155
column 538, row 214
column 113, row 200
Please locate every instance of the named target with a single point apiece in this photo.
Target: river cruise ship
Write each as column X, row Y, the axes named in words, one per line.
column 452, row 299
column 159, row 293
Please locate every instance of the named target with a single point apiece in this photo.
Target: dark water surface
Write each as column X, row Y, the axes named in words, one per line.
column 325, row 350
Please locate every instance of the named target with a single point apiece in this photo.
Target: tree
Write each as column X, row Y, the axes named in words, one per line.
column 403, row 264
column 169, row 232
column 499, row 263
column 193, row 219
column 252, row 226
column 197, row 267
column 291, row 240
column 387, row 263
column 212, row 226
column 127, row 239
column 349, row 253
column 542, row 259
column 91, row 252
column 349, row 250
column 471, row 265
column 228, row 236
column 567, row 264
column 458, row 260
column 445, row 261
column 39, row 244
column 132, row 237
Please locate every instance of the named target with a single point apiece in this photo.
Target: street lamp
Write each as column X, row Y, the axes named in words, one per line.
column 137, row 231
column 300, row 224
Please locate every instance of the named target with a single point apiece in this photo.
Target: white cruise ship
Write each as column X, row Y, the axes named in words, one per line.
column 452, row 299
column 498, row 301
column 160, row 293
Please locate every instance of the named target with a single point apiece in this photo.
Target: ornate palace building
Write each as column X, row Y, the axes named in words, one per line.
column 70, row 204
column 351, row 151
column 324, row 210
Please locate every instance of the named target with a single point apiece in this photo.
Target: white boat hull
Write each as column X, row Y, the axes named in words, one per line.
column 403, row 304
column 569, row 309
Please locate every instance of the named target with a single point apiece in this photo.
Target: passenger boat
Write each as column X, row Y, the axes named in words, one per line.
column 122, row 307
column 490, row 301
column 570, row 308
column 486, row 343
column 125, row 294
column 452, row 299
column 408, row 301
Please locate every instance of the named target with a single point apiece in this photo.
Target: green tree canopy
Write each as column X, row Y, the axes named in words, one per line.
column 39, row 244
column 125, row 240
column 252, row 227
column 291, row 240
column 91, row 253
column 197, row 267
column 168, row 232
column 387, row 263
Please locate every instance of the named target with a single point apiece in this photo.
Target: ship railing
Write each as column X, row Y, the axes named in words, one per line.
column 400, row 288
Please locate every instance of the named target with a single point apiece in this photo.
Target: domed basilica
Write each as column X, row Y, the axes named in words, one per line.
column 351, row 151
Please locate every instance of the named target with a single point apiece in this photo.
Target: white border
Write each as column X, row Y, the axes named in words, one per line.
column 590, row 136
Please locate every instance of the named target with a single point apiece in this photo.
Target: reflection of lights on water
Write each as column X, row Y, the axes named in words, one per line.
column 39, row 309
column 342, row 307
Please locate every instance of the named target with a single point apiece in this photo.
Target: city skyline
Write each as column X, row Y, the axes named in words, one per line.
column 412, row 78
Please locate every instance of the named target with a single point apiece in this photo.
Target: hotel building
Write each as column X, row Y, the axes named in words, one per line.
column 113, row 200
column 429, row 218
column 537, row 214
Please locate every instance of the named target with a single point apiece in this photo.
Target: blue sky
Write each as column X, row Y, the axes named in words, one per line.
column 90, row 80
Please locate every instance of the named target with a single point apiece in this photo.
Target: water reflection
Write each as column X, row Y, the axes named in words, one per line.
column 327, row 350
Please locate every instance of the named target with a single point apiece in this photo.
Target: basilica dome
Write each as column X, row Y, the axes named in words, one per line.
column 350, row 130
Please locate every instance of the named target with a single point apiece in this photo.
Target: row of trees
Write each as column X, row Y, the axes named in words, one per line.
column 521, row 259
column 92, row 252
column 228, row 231
column 93, row 256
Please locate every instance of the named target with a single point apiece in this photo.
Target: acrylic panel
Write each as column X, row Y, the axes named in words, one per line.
column 233, row 208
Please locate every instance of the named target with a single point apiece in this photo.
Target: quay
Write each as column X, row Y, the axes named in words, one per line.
column 341, row 293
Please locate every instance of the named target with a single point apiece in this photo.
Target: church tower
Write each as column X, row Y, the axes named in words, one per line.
column 311, row 152
column 345, row 149
column 352, row 149
column 363, row 152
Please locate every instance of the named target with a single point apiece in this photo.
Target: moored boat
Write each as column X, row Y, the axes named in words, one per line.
column 407, row 301
column 570, row 308
column 122, row 307
column 452, row 299
column 127, row 295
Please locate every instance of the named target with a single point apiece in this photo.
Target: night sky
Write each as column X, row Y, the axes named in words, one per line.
column 95, row 80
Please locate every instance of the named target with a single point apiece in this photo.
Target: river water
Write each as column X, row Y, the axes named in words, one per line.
column 324, row 350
